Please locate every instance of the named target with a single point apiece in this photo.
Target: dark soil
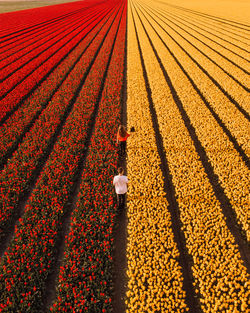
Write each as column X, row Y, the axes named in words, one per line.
column 120, row 231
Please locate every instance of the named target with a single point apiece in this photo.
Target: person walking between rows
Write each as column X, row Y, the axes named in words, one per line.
column 121, row 187
column 122, row 137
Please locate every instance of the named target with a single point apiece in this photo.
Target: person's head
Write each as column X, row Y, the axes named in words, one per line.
column 120, row 170
column 122, row 130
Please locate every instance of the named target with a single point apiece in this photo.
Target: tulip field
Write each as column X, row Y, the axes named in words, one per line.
column 70, row 73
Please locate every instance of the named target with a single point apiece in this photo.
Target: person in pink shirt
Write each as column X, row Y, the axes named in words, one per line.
column 121, row 187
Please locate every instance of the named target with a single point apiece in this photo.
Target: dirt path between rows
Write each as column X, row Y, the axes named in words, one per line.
column 120, row 231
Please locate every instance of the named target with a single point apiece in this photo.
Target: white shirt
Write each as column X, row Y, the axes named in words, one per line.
column 120, row 183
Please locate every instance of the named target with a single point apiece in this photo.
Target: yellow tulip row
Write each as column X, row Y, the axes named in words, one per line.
column 222, row 15
column 155, row 279
column 231, row 40
column 227, row 163
column 216, row 43
column 230, row 116
column 221, row 279
column 237, row 92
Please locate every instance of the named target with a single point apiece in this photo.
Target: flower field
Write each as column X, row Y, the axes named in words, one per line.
column 187, row 98
column 45, row 140
column 69, row 75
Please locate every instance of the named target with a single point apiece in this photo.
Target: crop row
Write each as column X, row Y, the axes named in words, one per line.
column 211, row 61
column 16, row 23
column 218, row 269
column 31, row 78
column 214, row 30
column 203, row 45
column 17, row 71
column 12, row 62
column 155, row 280
column 225, row 159
column 85, row 278
column 223, row 38
column 211, row 67
column 14, row 44
column 220, row 42
column 16, row 125
column 20, row 42
column 23, row 287
column 19, row 172
column 225, row 23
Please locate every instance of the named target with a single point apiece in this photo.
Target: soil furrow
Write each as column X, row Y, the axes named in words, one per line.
column 200, row 51
column 176, row 17
column 37, row 26
column 120, row 232
column 35, row 37
column 232, row 62
column 15, row 70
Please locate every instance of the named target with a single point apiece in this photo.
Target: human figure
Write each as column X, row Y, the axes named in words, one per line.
column 122, row 137
column 120, row 182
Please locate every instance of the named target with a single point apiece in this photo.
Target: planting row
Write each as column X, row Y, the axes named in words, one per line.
column 212, row 33
column 27, row 51
column 24, row 81
column 85, row 278
column 14, row 128
column 215, row 63
column 221, row 150
column 14, row 45
column 213, row 30
column 21, row 169
column 218, row 269
column 213, row 69
column 155, row 280
column 32, row 254
column 16, row 23
column 234, row 21
column 17, row 71
column 205, row 46
column 209, row 34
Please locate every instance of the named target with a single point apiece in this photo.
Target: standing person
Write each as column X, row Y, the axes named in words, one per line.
column 122, row 137
column 121, row 187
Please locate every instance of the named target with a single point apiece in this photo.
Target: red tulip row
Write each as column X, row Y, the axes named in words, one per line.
column 13, row 128
column 22, row 21
column 47, row 63
column 11, row 42
column 12, row 62
column 31, row 256
column 85, row 278
column 18, row 174
column 37, row 57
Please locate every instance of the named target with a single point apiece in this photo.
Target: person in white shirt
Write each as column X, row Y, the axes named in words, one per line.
column 120, row 182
